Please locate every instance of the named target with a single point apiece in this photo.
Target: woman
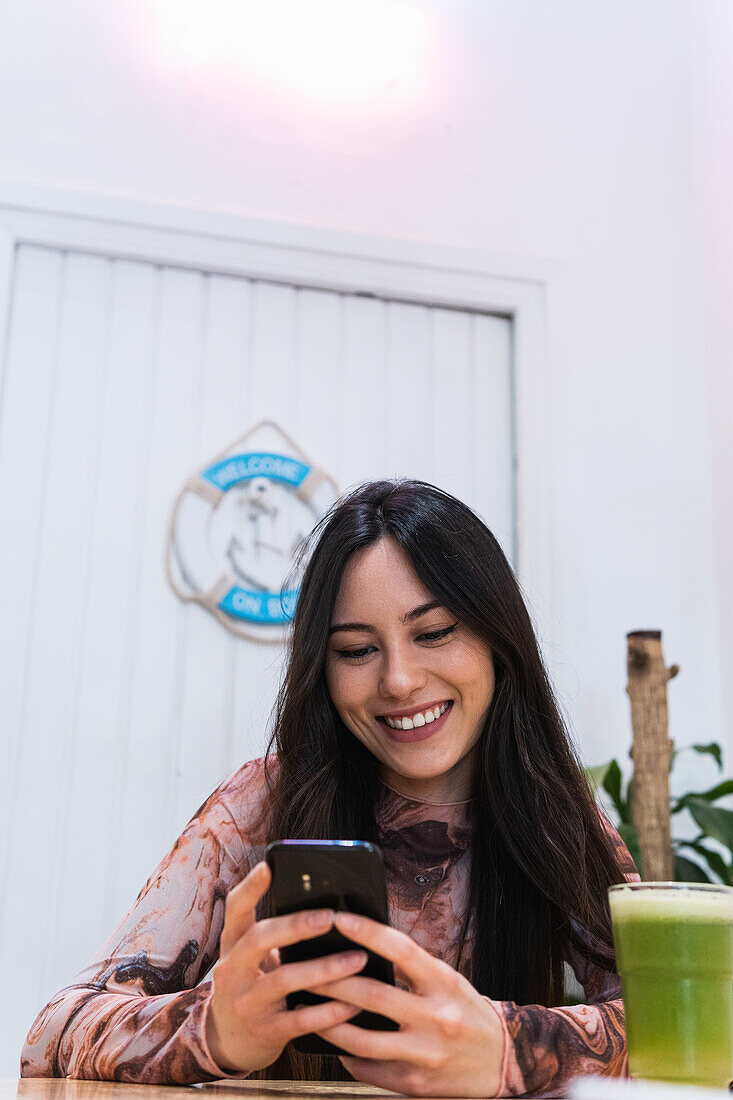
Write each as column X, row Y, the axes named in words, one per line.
column 415, row 712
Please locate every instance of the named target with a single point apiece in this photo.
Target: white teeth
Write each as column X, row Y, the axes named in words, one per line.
column 422, row 718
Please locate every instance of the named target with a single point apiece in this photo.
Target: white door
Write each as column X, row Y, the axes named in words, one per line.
column 121, row 708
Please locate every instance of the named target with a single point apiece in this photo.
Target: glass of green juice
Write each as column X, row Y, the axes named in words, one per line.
column 674, row 952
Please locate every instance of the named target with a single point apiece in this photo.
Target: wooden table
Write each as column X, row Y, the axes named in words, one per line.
column 61, row 1088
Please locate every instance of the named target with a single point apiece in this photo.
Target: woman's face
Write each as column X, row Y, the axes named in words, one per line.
column 408, row 679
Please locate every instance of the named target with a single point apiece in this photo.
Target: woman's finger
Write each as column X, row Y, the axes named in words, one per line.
column 374, row 996
column 388, row 1046
column 275, row 932
column 293, row 977
column 271, row 960
column 240, row 906
column 419, row 967
column 292, row 1023
column 384, row 1075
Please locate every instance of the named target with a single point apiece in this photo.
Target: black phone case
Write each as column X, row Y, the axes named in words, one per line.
column 330, row 874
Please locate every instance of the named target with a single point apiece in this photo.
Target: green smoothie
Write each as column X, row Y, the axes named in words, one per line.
column 674, row 950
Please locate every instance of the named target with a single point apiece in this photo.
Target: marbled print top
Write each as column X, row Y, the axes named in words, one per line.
column 137, row 1010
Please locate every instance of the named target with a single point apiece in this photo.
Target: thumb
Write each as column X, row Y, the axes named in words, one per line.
column 241, row 904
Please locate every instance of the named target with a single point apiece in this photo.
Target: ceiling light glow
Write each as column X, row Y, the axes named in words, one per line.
column 331, row 47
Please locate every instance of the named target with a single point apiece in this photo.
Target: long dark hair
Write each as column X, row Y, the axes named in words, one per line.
column 540, row 859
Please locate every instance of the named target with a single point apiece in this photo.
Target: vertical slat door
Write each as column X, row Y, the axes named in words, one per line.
column 122, row 708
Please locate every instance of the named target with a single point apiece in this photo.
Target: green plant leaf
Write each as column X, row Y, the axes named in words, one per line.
column 628, row 816
column 713, row 749
column 612, row 782
column 687, row 871
column 714, row 821
column 612, row 787
column 719, row 791
column 714, row 860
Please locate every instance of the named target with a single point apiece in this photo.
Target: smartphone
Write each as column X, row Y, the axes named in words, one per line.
column 330, row 874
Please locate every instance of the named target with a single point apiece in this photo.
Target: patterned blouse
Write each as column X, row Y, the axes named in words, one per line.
column 137, row 1010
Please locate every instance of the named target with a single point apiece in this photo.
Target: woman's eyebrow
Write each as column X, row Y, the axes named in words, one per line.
column 423, row 609
column 409, row 617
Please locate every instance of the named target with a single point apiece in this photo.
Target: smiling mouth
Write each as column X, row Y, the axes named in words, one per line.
column 417, row 718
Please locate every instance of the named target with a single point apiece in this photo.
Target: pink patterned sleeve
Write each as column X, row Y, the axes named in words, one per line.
column 135, row 1012
column 545, row 1048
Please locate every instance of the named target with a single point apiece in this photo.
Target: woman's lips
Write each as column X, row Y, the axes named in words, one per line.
column 419, row 733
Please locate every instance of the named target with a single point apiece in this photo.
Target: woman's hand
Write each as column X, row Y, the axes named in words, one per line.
column 248, row 1023
column 451, row 1040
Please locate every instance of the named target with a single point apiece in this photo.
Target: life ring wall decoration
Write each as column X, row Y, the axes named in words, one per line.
column 237, row 525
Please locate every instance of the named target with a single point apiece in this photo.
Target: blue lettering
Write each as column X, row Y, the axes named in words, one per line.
column 259, row 607
column 231, row 471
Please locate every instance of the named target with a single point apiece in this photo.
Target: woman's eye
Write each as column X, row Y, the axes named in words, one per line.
column 355, row 654
column 363, row 652
column 437, row 635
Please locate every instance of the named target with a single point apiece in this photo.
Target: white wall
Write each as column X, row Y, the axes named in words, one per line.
column 596, row 135
column 562, row 130
column 714, row 232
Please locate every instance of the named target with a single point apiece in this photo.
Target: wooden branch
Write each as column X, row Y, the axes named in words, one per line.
column 651, row 752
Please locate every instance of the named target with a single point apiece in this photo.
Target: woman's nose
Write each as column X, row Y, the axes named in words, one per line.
column 401, row 675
